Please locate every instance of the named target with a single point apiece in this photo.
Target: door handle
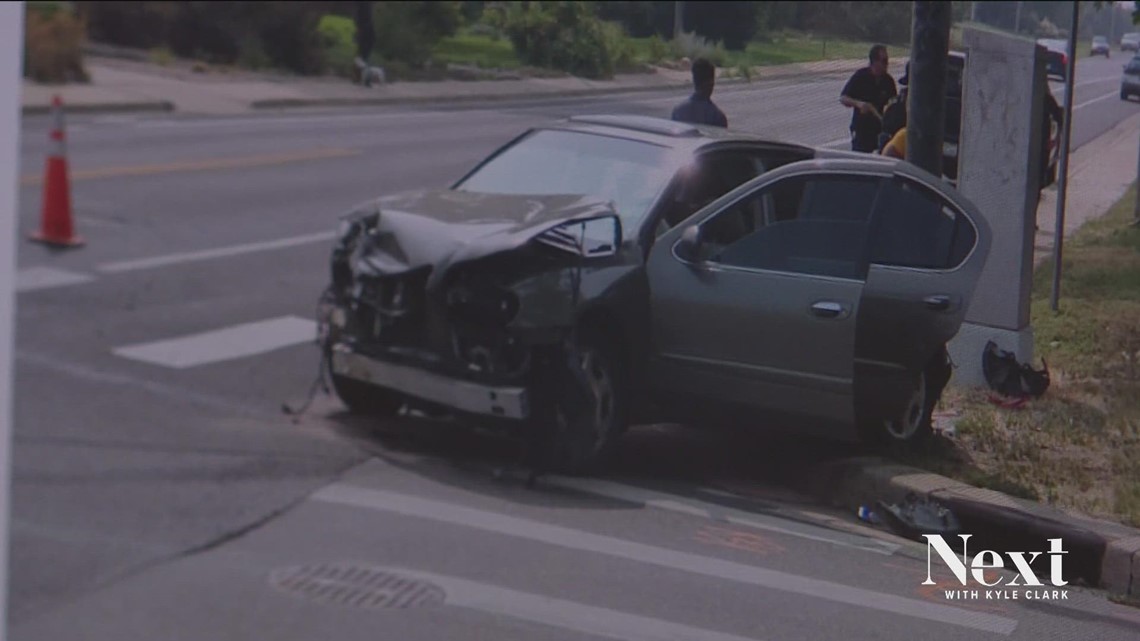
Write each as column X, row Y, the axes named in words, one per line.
column 828, row 309
column 938, row 303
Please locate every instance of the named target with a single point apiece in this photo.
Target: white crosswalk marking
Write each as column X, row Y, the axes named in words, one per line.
column 224, row 344
column 601, row 622
column 33, row 278
column 627, row 550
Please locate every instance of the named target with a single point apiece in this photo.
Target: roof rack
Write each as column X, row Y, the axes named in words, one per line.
column 646, row 124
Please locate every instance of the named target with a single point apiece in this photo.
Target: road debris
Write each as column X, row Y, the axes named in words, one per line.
column 1008, row 377
column 917, row 516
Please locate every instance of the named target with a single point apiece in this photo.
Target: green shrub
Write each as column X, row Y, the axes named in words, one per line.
column 617, row 42
column 251, row 54
column 338, row 42
column 285, row 33
column 692, row 46
column 561, row 35
column 409, row 31
column 53, row 47
column 658, row 49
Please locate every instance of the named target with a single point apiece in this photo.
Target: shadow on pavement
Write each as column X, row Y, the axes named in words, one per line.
column 765, row 468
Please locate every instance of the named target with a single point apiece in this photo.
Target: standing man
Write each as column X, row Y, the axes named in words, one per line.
column 867, row 93
column 698, row 108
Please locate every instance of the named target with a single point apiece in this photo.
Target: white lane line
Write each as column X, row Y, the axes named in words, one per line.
column 838, row 141
column 568, row 615
column 33, row 278
column 224, row 344
column 210, row 254
column 628, row 550
column 1106, row 96
column 325, row 118
column 694, row 507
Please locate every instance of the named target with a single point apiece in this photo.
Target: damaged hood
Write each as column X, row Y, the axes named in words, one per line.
column 440, row 228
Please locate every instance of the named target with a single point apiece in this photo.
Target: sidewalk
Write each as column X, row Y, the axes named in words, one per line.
column 118, row 85
column 1100, row 172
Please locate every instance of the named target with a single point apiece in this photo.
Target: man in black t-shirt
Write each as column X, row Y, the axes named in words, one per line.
column 867, row 93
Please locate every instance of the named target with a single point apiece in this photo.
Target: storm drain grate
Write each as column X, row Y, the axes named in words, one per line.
column 357, row 586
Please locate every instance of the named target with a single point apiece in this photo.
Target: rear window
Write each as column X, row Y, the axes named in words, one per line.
column 915, row 228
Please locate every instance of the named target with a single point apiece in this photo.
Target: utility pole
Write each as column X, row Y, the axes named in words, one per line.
column 11, row 61
column 1063, row 170
column 1017, row 19
column 926, row 101
column 1136, row 208
column 973, row 11
column 678, row 19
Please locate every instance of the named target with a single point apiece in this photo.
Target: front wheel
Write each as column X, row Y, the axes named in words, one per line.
column 587, row 409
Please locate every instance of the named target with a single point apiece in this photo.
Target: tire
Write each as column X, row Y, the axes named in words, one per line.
column 586, row 427
column 365, row 399
column 915, row 424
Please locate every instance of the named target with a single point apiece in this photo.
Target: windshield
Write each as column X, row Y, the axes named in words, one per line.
column 629, row 173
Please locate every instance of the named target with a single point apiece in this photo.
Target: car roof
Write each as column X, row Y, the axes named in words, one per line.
column 679, row 136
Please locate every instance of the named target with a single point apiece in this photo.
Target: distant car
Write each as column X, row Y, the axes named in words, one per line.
column 1130, row 42
column 1130, row 82
column 1099, row 46
column 603, row 271
column 1056, row 57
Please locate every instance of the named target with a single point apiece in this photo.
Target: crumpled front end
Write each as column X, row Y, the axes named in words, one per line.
column 446, row 304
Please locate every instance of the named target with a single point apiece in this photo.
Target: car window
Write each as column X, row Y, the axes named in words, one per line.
column 814, row 224
column 708, row 177
column 630, row 173
column 914, row 227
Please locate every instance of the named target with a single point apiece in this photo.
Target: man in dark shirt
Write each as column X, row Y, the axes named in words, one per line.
column 867, row 93
column 1053, row 114
column 699, row 108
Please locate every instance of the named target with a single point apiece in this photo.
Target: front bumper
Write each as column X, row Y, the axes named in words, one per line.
column 466, row 396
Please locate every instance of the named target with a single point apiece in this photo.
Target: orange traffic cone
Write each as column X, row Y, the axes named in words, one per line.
column 55, row 225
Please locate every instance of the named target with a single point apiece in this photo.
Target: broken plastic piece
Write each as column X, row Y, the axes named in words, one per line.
column 916, row 517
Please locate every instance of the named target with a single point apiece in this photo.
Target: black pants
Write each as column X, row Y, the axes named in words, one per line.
column 863, row 142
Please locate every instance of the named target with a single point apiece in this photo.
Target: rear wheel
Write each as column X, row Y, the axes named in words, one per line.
column 914, row 423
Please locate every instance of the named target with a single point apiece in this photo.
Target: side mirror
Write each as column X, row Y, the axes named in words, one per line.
column 591, row 238
column 689, row 247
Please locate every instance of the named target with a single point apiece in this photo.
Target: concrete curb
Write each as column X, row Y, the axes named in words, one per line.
column 109, row 107
column 1102, row 554
column 530, row 96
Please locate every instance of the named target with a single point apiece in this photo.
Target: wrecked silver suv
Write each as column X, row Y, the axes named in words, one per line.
column 610, row 269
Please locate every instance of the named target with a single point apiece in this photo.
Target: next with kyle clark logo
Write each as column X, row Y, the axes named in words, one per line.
column 1033, row 588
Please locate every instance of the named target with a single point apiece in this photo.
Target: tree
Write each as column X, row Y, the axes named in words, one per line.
column 734, row 23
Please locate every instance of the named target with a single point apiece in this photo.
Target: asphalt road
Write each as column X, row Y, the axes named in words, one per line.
column 152, row 364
